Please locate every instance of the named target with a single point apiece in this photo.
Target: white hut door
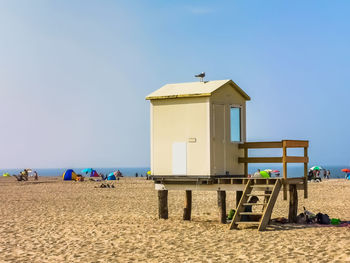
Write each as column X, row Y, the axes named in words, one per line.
column 179, row 158
column 219, row 139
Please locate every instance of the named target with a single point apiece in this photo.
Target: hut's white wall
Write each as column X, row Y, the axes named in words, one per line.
column 180, row 120
column 226, row 96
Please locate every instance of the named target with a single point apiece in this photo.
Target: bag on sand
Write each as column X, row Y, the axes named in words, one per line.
column 323, row 219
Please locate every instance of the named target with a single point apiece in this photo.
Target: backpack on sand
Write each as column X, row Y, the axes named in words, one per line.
column 323, row 219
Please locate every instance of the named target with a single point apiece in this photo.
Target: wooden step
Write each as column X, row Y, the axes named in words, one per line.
column 251, row 213
column 248, row 222
column 246, row 204
column 258, row 194
column 262, row 185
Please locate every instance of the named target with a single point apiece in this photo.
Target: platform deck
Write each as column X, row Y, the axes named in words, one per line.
column 221, row 183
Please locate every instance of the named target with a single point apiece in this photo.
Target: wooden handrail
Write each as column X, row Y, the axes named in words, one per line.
column 261, row 145
column 284, row 144
column 260, row 160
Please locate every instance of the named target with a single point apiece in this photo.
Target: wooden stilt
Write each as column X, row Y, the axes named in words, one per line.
column 222, row 206
column 293, row 203
column 238, row 197
column 305, row 174
column 188, row 205
column 284, row 158
column 163, row 204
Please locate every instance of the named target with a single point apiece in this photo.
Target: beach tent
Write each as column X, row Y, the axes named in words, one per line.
column 6, row 174
column 111, row 177
column 69, row 175
column 87, row 170
column 94, row 174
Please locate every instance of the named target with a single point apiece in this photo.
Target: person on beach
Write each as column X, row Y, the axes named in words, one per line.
column 36, row 177
column 257, row 174
column 328, row 174
column 318, row 173
column 24, row 175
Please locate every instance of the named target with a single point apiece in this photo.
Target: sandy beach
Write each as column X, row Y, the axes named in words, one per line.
column 55, row 221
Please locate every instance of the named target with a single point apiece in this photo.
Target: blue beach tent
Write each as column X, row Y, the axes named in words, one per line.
column 111, row 177
column 69, row 175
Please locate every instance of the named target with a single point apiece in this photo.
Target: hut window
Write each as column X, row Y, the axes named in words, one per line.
column 235, row 119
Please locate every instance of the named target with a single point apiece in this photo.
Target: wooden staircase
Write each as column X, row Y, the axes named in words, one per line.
column 269, row 196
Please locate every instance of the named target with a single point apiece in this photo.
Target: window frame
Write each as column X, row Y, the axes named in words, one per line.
column 240, row 107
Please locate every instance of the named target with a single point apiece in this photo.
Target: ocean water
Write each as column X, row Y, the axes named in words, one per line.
column 293, row 170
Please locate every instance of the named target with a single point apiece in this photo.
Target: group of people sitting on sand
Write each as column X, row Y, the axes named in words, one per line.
column 24, row 175
column 315, row 175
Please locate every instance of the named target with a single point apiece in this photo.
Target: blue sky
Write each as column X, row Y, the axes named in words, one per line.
column 74, row 74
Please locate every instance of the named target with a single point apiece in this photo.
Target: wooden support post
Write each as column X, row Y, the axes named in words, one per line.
column 188, row 205
column 222, row 206
column 305, row 175
column 245, row 164
column 284, row 170
column 163, row 204
column 293, row 203
column 238, row 197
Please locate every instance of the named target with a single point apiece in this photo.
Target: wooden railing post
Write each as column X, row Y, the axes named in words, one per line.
column 245, row 164
column 305, row 174
column 284, row 160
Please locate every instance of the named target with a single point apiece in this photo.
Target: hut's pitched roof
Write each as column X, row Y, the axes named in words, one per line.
column 193, row 89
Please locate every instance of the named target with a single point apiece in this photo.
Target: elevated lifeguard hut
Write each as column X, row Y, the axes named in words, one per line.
column 198, row 142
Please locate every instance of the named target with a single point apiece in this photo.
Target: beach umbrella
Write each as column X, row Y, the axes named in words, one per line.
column 264, row 174
column 316, row 168
column 345, row 170
column 149, row 172
column 276, row 171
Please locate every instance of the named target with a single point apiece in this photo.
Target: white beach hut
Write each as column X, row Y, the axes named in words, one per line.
column 196, row 128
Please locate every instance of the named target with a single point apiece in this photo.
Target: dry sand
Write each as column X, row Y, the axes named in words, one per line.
column 55, row 221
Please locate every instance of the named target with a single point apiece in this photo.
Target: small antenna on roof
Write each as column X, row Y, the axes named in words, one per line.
column 200, row 76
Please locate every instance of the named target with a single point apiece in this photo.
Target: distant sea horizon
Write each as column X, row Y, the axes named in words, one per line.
column 293, row 170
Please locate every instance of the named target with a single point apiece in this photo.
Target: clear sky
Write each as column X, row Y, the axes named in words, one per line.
column 74, row 74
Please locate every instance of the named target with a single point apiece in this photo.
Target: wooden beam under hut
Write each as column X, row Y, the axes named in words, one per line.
column 222, row 206
column 188, row 205
column 293, row 203
column 163, row 204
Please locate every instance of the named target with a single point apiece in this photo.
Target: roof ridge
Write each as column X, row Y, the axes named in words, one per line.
column 193, row 89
